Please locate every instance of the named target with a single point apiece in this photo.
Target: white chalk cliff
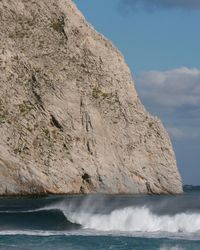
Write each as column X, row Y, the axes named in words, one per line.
column 70, row 118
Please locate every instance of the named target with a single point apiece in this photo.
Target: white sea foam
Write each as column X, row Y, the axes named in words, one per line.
column 30, row 232
column 136, row 219
column 171, row 248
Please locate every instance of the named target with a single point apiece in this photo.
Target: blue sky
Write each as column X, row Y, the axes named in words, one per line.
column 160, row 41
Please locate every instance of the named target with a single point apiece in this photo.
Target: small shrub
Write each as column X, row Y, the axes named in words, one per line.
column 58, row 25
column 2, row 119
column 150, row 124
column 97, row 93
column 25, row 108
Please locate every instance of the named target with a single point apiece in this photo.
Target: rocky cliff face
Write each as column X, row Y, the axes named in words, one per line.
column 70, row 118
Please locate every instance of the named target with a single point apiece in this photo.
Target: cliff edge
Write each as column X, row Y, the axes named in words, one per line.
column 70, row 118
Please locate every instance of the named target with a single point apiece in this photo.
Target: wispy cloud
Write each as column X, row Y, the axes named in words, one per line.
column 175, row 132
column 178, row 133
column 157, row 4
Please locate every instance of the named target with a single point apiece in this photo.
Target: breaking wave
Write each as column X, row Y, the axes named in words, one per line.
column 103, row 215
column 136, row 219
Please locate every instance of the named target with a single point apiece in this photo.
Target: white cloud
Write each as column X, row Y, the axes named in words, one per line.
column 172, row 88
column 174, row 96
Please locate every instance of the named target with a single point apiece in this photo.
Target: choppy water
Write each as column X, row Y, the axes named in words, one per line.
column 101, row 222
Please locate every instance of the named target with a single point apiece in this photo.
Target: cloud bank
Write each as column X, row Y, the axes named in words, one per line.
column 157, row 4
column 173, row 88
column 173, row 95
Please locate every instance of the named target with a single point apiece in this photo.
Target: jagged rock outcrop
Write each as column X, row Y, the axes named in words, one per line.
column 70, row 117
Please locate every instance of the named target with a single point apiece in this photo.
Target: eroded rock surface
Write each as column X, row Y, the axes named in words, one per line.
column 70, row 117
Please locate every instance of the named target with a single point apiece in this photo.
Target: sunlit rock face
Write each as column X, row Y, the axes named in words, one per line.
column 70, row 118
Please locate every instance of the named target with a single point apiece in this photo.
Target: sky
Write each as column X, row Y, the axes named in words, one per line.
column 160, row 41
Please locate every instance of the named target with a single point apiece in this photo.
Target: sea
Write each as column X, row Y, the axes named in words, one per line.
column 95, row 222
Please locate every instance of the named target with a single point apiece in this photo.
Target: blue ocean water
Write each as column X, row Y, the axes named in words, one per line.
column 101, row 222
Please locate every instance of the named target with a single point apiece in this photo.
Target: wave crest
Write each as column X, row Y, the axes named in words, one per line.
column 136, row 219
